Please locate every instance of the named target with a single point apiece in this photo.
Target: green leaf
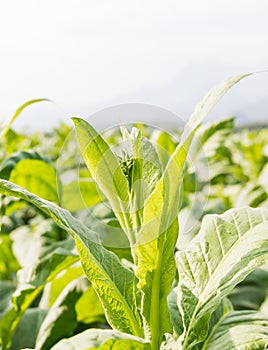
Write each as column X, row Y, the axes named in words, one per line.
column 251, row 292
column 156, row 272
column 151, row 169
column 7, row 289
column 210, row 136
column 143, row 170
column 155, row 246
column 31, row 281
column 250, row 194
column 9, row 163
column 89, row 308
column 8, row 262
column 166, row 145
column 7, row 125
column 61, row 281
column 227, row 248
column 105, row 169
column 38, row 177
column 211, row 99
column 78, row 195
column 60, row 321
column 239, row 330
column 27, row 330
column 114, row 283
column 223, row 310
column 103, row 340
column 174, row 311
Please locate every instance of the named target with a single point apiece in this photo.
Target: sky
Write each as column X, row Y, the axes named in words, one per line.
column 88, row 55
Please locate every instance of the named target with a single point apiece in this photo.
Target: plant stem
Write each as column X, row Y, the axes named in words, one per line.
column 155, row 301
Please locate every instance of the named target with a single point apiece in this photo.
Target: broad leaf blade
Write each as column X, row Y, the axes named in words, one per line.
column 250, row 293
column 239, row 330
column 9, row 163
column 103, row 340
column 227, row 248
column 111, row 280
column 38, row 177
column 27, row 330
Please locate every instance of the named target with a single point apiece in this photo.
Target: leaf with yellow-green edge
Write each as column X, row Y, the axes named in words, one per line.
column 114, row 283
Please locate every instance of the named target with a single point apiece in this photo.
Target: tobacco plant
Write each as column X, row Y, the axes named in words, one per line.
column 163, row 298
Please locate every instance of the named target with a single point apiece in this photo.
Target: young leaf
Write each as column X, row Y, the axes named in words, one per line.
column 105, row 169
column 114, row 283
column 227, row 248
column 142, row 169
